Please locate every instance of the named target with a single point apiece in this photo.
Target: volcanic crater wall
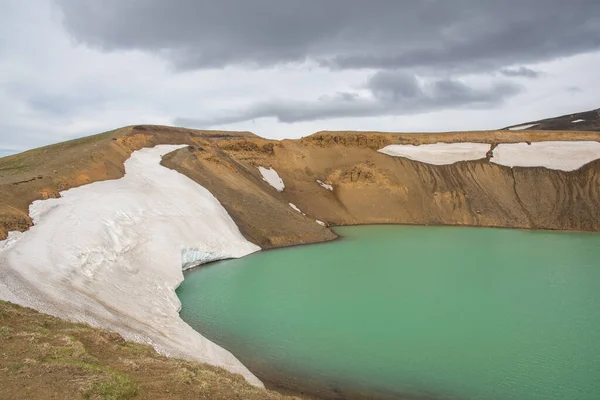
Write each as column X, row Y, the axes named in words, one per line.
column 368, row 186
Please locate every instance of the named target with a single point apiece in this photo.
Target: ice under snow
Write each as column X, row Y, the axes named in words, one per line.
column 438, row 153
column 111, row 254
column 559, row 155
column 272, row 178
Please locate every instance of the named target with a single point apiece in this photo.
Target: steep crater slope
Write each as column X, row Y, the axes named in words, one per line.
column 371, row 187
column 286, row 192
column 368, row 187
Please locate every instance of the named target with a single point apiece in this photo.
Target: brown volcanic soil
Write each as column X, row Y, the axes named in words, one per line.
column 370, row 187
column 42, row 173
column 43, row 357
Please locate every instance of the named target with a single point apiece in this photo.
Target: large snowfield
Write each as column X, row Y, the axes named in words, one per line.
column 438, row 153
column 556, row 155
column 111, row 254
column 564, row 156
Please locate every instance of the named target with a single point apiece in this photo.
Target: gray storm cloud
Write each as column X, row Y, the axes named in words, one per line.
column 388, row 34
column 522, row 72
column 77, row 67
column 391, row 93
column 399, row 38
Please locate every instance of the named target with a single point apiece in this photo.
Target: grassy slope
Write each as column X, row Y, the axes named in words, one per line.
column 43, row 357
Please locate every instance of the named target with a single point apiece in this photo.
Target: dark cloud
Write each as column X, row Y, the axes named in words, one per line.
column 390, row 93
column 523, row 72
column 389, row 34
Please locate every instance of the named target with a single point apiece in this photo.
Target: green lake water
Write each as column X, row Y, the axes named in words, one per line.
column 421, row 312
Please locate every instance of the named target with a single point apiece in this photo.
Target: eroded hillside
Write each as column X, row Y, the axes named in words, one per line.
column 42, row 173
column 368, row 186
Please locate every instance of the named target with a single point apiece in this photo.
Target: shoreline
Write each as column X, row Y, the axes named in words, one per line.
column 119, row 270
column 110, row 315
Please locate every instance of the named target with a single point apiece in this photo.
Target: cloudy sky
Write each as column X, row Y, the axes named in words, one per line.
column 289, row 68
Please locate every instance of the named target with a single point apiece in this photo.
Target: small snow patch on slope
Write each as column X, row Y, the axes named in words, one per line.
column 324, row 185
column 272, row 178
column 296, row 208
column 439, row 153
column 521, row 127
column 578, row 121
column 321, row 223
column 111, row 254
column 564, row 156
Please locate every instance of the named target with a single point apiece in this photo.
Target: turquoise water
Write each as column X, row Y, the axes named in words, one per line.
column 423, row 312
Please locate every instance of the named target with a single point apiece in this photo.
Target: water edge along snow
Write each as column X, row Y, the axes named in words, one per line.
column 111, row 253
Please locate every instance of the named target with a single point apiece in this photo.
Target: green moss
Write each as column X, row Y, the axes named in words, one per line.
column 138, row 349
column 16, row 367
column 5, row 332
column 116, row 386
column 43, row 331
column 74, row 353
column 185, row 376
column 111, row 385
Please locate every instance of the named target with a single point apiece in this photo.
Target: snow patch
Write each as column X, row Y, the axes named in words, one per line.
column 521, row 127
column 558, row 155
column 296, row 208
column 324, row 185
column 272, row 178
column 578, row 121
column 111, row 254
column 438, row 153
column 321, row 222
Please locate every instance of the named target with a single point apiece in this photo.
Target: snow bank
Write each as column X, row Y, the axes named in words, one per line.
column 564, row 156
column 324, row 185
column 272, row 178
column 111, row 254
column 578, row 121
column 321, row 222
column 521, row 127
column 438, row 153
column 296, row 208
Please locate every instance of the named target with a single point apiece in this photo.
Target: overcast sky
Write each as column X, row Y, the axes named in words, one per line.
column 286, row 69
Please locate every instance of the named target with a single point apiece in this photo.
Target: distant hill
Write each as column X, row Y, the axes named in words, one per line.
column 583, row 121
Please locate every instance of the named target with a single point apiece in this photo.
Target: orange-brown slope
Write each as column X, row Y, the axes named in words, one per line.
column 369, row 187
column 42, row 173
